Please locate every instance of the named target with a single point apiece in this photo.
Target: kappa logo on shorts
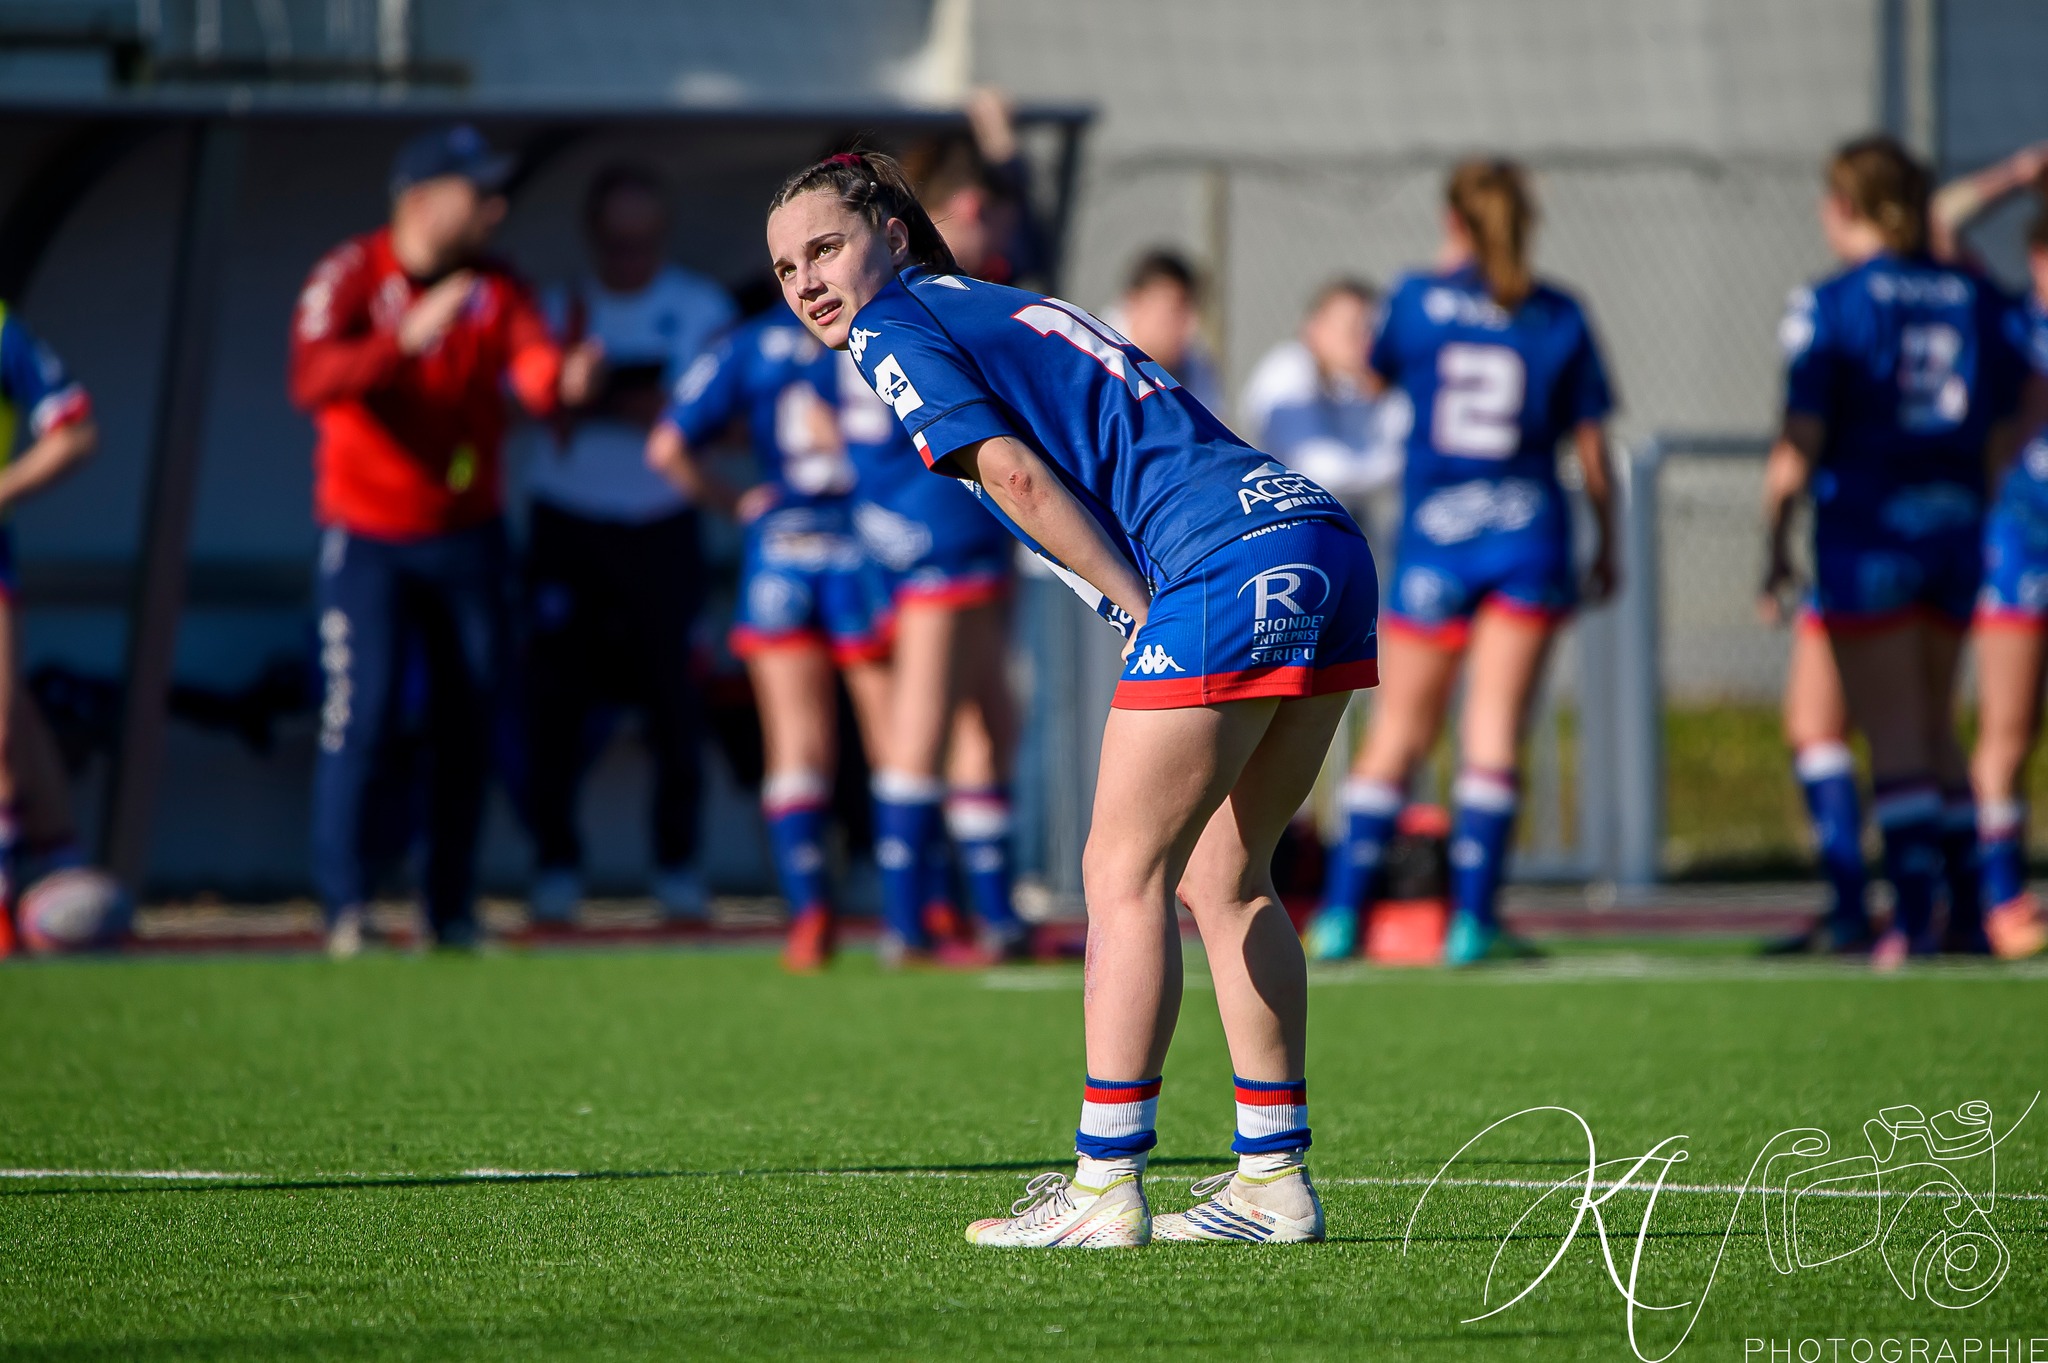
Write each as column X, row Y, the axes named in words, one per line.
column 1153, row 660
column 895, row 387
column 1285, row 624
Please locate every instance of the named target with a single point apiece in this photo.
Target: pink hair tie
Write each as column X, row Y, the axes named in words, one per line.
column 844, row 158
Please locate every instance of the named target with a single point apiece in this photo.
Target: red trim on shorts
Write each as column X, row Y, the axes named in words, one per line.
column 1453, row 635
column 2009, row 618
column 1853, row 625
column 873, row 649
column 1450, row 636
column 1807, row 620
column 747, row 642
column 962, row 593
column 1524, row 610
column 1286, row 683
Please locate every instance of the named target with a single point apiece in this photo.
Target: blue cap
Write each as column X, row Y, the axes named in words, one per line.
column 458, row 149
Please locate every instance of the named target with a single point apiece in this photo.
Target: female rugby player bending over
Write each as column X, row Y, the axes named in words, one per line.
column 1252, row 599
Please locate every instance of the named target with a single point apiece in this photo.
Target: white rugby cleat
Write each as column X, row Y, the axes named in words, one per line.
column 1056, row 1213
column 1282, row 1210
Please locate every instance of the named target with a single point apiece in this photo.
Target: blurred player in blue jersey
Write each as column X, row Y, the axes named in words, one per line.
column 1898, row 370
column 1500, row 368
column 951, row 724
column 2011, row 628
column 45, row 411
column 1252, row 598
column 809, row 600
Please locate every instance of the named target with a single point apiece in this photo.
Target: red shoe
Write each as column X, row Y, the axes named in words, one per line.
column 6, row 932
column 2016, row 928
column 942, row 923
column 808, row 949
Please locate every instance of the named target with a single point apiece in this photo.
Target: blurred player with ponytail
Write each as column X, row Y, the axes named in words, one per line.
column 1501, row 368
column 1899, row 369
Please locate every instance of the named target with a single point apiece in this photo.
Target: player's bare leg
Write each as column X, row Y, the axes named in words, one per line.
column 978, row 753
column 1896, row 682
column 2009, row 674
column 1162, row 774
column 793, row 688
column 1508, row 650
column 1261, row 983
column 1417, row 673
column 1816, row 720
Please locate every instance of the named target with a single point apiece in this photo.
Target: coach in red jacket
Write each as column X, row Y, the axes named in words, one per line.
column 404, row 345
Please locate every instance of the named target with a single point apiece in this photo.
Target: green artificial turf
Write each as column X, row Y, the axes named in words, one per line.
column 780, row 1168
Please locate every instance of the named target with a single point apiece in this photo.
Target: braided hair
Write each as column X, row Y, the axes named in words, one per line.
column 874, row 187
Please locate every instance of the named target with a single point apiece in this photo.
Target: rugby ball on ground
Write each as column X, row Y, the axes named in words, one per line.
column 74, row 909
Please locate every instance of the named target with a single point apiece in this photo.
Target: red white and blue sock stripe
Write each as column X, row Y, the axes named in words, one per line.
column 1117, row 1118
column 1271, row 1117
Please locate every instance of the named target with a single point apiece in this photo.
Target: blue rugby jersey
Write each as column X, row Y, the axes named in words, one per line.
column 962, row 361
column 2026, row 484
column 1493, row 391
column 785, row 385
column 1910, row 364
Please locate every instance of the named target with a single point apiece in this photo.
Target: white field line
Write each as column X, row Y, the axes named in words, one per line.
column 168, row 1175
column 568, row 1175
column 1616, row 967
column 1711, row 1189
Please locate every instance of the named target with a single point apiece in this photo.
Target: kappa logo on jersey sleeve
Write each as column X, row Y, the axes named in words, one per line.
column 1276, row 488
column 857, row 341
column 895, row 387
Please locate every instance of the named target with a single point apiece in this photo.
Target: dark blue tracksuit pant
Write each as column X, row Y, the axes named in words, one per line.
column 443, row 601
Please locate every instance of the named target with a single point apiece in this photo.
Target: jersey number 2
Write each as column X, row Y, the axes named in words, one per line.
column 1478, row 401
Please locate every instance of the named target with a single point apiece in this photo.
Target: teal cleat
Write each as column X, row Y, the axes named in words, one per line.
column 1469, row 942
column 1333, row 934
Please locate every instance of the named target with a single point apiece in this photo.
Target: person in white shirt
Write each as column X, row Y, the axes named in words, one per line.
column 1307, row 405
column 615, row 572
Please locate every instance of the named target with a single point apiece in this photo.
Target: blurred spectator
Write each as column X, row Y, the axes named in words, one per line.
column 38, row 399
column 978, row 192
column 404, row 342
column 1160, row 313
column 616, row 574
column 1307, row 402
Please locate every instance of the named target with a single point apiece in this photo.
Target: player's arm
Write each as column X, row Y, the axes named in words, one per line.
column 705, row 400
column 1787, row 471
column 336, row 354
column 670, row 454
column 545, row 376
column 1961, row 201
column 1032, row 495
column 62, row 432
column 1589, row 443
